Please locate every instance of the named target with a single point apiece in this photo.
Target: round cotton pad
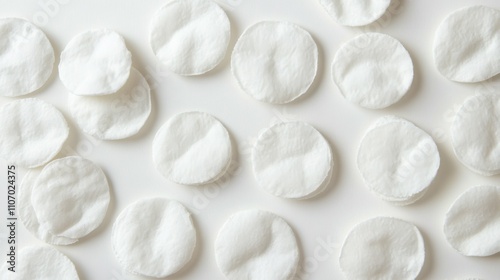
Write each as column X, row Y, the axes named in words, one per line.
column 355, row 12
column 466, row 45
column 26, row 57
column 472, row 225
column 275, row 62
column 372, row 70
column 256, row 245
column 397, row 160
column 292, row 160
column 161, row 250
column 32, row 132
column 114, row 116
column 95, row 62
column 40, row 263
column 190, row 36
column 192, row 148
column 27, row 213
column 383, row 248
column 475, row 134
column 78, row 193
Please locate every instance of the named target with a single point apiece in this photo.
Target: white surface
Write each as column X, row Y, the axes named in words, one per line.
column 326, row 219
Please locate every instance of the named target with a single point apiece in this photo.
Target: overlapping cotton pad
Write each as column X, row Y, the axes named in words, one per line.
column 256, row 245
column 26, row 57
column 472, row 224
column 32, row 132
column 190, row 36
column 27, row 213
column 467, row 44
column 78, row 193
column 40, row 263
column 95, row 62
column 192, row 148
column 154, row 237
column 275, row 62
column 397, row 160
column 355, row 12
column 292, row 160
column 383, row 248
column 114, row 116
column 373, row 70
column 475, row 134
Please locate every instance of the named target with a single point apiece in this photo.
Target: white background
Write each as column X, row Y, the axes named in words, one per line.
column 430, row 104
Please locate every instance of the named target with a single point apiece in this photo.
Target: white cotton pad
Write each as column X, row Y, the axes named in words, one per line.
column 397, row 160
column 27, row 213
column 472, row 225
column 114, row 116
column 467, row 44
column 190, row 36
column 383, row 248
column 475, row 134
column 154, row 237
column 95, row 62
column 275, row 62
column 192, row 148
column 40, row 263
column 372, row 70
column 78, row 193
column 26, row 57
column 256, row 245
column 355, row 12
column 292, row 160
column 32, row 132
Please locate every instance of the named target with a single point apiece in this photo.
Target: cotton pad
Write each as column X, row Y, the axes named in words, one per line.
column 472, row 225
column 114, row 116
column 292, row 160
column 40, row 263
column 26, row 57
column 154, row 237
column 256, row 245
column 383, row 248
column 32, row 132
column 475, row 134
column 275, row 62
column 372, row 70
column 190, row 36
column 355, row 12
column 397, row 160
column 95, row 62
column 27, row 213
column 192, row 148
column 467, row 44
column 78, row 193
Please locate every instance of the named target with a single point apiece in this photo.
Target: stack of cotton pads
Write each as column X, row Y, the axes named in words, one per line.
column 72, row 183
column 109, row 99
